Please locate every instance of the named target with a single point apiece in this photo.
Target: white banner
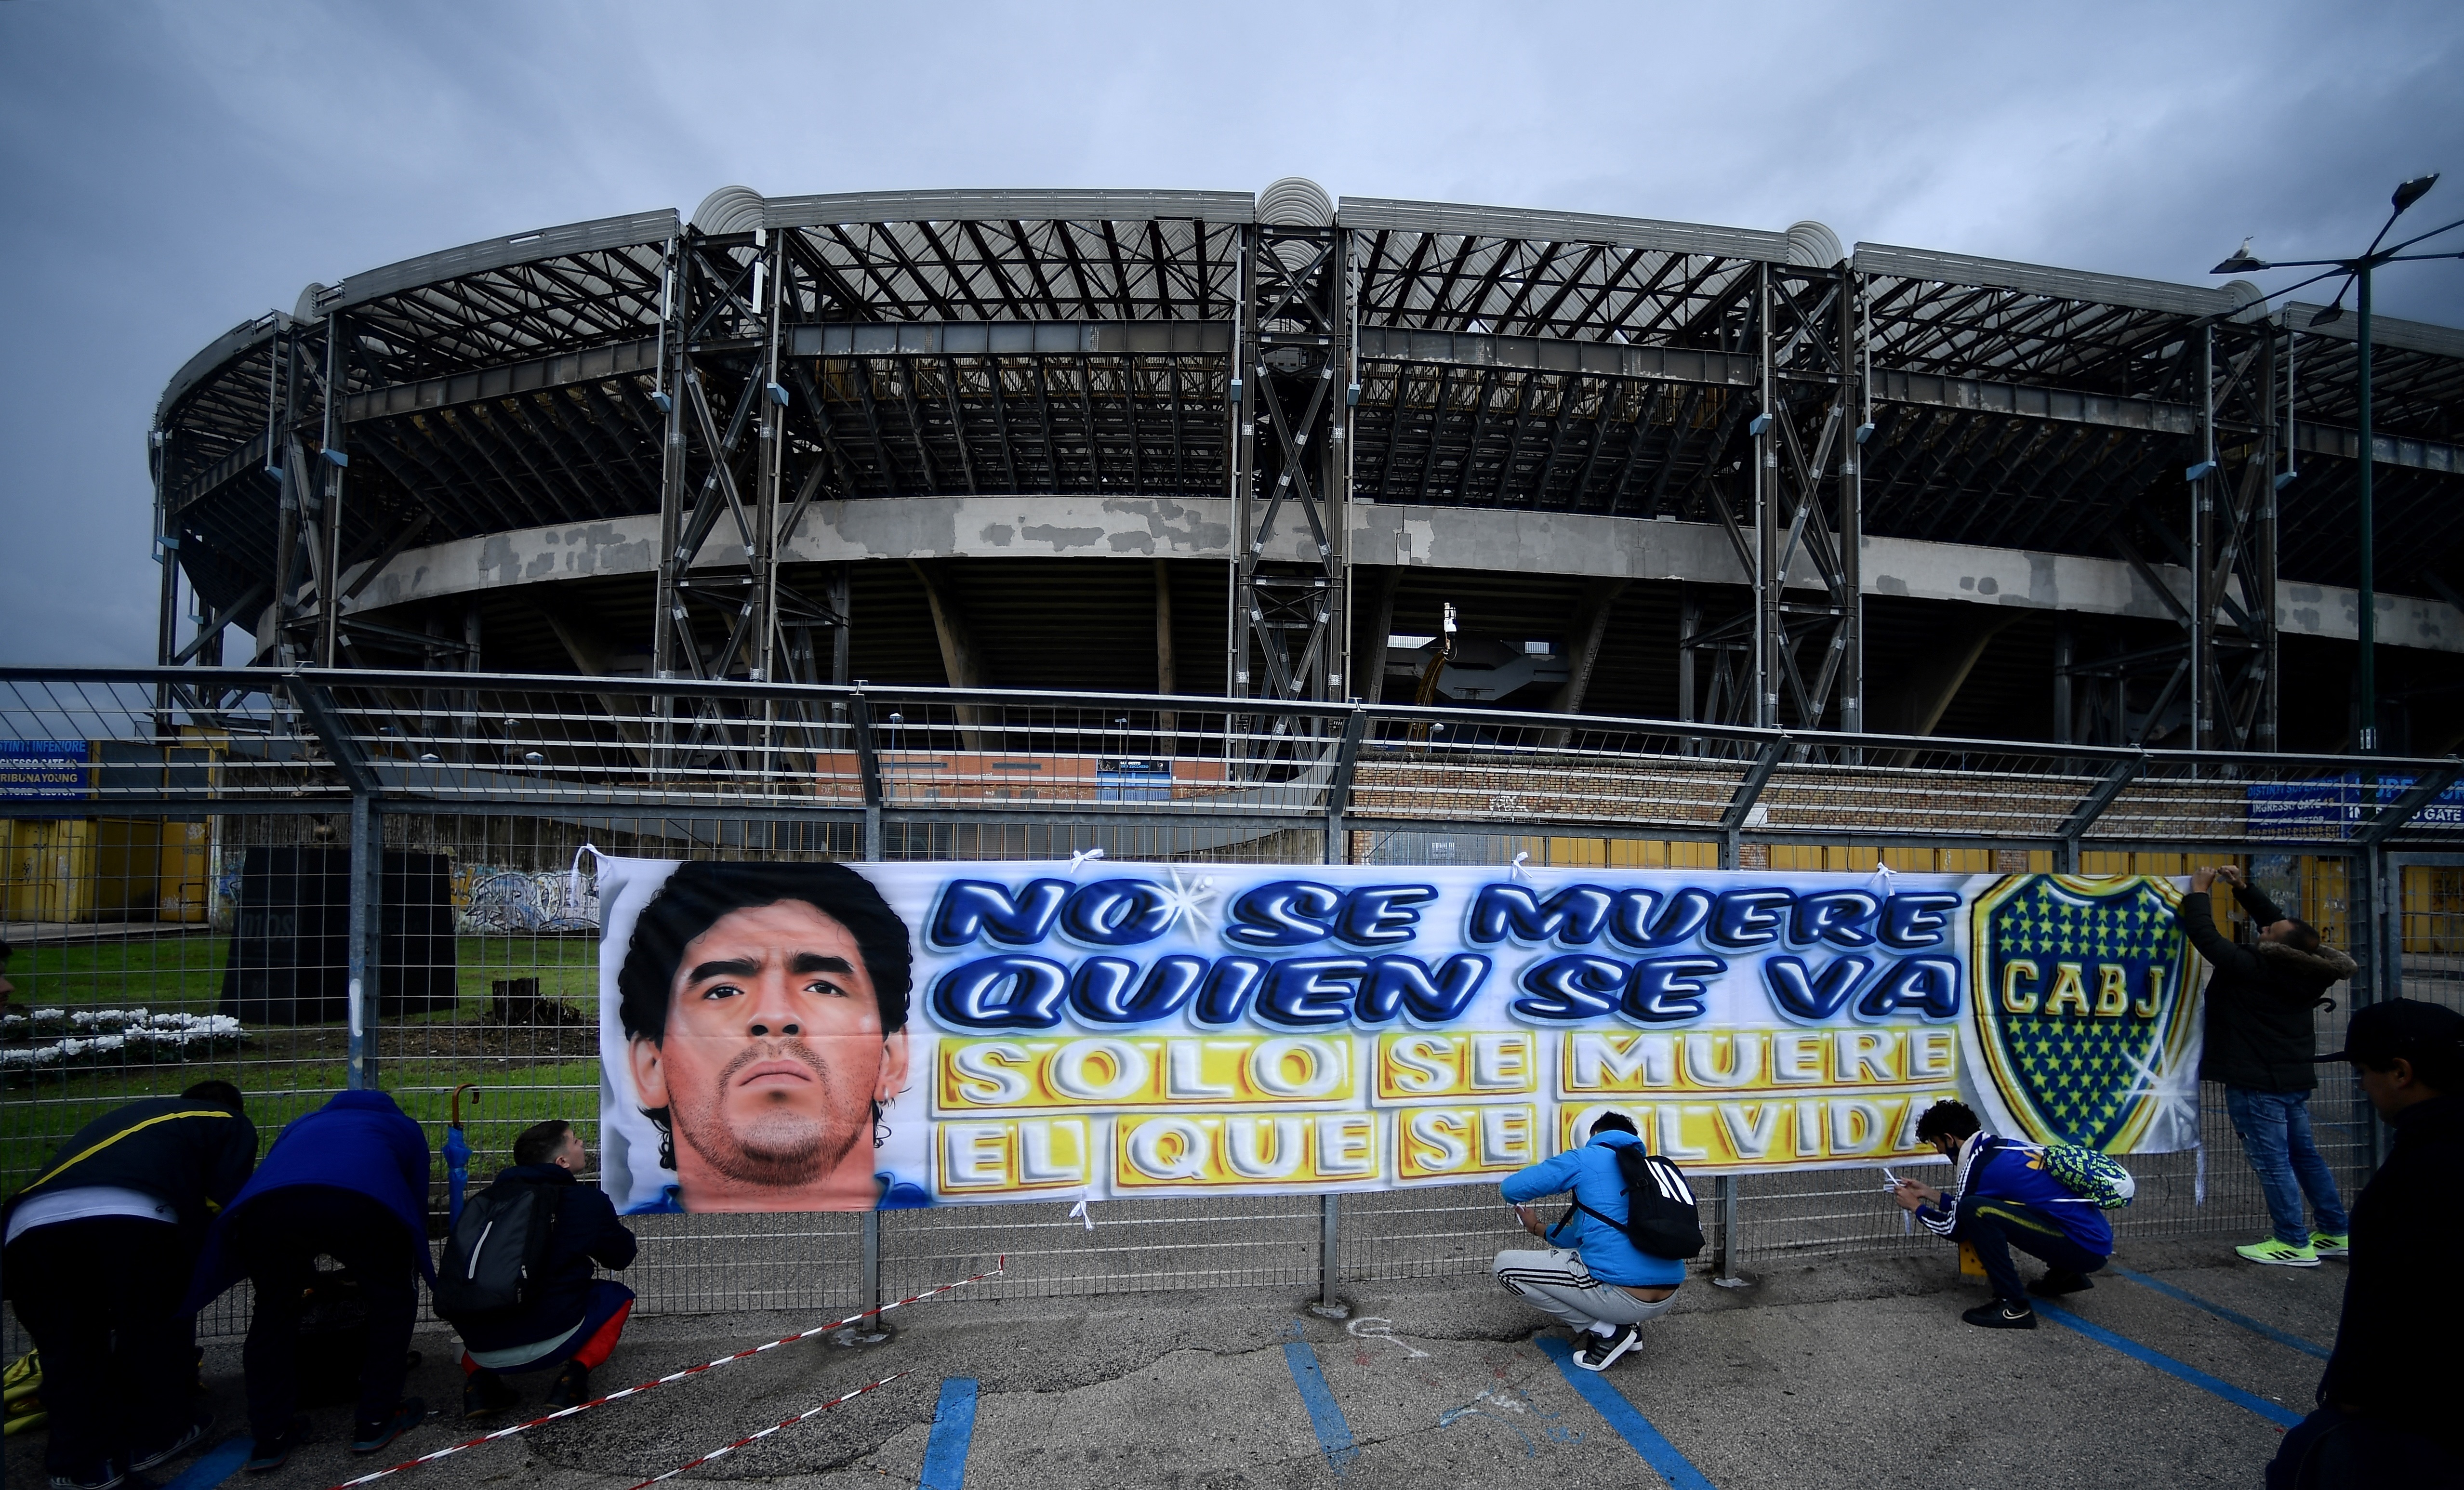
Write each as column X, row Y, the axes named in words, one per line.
column 831, row 1036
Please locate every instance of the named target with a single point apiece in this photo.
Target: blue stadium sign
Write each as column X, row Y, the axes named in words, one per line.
column 35, row 769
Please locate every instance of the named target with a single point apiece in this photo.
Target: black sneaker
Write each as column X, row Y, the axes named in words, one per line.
column 2055, row 1284
column 572, row 1386
column 187, row 1440
column 103, row 1479
column 409, row 1414
column 269, row 1455
column 1598, row 1350
column 2002, row 1314
column 484, row 1391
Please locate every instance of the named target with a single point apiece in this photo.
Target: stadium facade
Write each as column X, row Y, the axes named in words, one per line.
column 1211, row 443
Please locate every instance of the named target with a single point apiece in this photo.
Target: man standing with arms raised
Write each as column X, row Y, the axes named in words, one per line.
column 2259, row 1044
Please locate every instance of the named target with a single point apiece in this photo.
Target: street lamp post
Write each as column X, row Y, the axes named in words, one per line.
column 2357, row 276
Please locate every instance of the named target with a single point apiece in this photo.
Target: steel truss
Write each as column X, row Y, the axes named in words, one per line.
column 2219, row 532
column 1783, row 658
column 1293, row 463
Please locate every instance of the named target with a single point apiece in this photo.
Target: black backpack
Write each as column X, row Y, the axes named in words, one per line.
column 1661, row 1219
column 496, row 1256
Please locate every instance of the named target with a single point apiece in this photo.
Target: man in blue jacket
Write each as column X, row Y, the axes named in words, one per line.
column 348, row 1181
column 98, row 1251
column 572, row 1317
column 2001, row 1198
column 1592, row 1276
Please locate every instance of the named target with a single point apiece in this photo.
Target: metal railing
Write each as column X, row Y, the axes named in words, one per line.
column 151, row 794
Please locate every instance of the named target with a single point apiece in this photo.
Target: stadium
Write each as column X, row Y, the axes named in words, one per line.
column 1280, row 446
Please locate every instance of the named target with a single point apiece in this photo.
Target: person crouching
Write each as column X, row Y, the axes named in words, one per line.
column 1593, row 1277
column 568, row 1317
column 2001, row 1198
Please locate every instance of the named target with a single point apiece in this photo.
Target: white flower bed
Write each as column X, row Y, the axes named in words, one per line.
column 130, row 1030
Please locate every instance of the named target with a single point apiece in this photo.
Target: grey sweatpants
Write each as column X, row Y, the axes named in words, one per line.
column 1558, row 1283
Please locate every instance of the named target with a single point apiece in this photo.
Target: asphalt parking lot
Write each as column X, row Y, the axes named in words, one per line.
column 2178, row 1372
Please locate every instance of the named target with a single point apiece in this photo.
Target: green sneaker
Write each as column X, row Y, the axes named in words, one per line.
column 2280, row 1253
column 2326, row 1246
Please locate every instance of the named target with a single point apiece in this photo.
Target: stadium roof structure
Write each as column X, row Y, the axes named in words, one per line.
column 737, row 392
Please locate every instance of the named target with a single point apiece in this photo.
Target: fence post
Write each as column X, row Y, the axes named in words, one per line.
column 2367, row 885
column 871, row 1287
column 366, row 879
column 1338, row 786
column 1724, row 1260
column 868, row 765
column 367, row 926
column 1329, row 1222
column 1329, row 1260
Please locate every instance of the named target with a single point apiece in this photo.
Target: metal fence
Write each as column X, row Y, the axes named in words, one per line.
column 424, row 826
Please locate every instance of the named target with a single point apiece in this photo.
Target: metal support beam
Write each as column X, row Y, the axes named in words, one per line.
column 1588, row 629
column 1295, row 361
column 1338, row 786
column 1741, row 806
column 334, row 460
column 2092, row 806
column 868, row 765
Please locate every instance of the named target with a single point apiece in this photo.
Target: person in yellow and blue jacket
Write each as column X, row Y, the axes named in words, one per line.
column 2001, row 1197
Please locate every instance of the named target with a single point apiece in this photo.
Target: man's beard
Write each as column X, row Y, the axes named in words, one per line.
column 783, row 1148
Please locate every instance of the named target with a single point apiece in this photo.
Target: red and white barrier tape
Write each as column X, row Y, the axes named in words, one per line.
column 784, row 1422
column 999, row 1268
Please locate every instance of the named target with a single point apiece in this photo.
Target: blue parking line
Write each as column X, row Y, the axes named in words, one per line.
column 954, row 1428
column 2229, row 1316
column 215, row 1466
column 2276, row 1413
column 1631, row 1426
column 1326, row 1415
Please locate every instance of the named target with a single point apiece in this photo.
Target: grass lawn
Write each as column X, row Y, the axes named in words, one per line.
column 525, row 1075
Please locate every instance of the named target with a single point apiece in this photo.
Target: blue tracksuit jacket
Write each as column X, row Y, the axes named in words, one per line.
column 1591, row 1172
column 2001, row 1169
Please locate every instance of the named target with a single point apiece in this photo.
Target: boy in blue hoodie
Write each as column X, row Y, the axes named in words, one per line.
column 1593, row 1277
column 2001, row 1198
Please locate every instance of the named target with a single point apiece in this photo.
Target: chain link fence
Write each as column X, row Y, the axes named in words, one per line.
column 199, row 866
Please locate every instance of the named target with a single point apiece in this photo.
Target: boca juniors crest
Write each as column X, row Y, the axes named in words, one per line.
column 2082, row 1028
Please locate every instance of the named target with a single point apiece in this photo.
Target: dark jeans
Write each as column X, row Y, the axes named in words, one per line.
column 606, row 1308
column 2275, row 1129
column 1994, row 1227
column 102, row 1298
column 279, row 1235
column 2331, row 1451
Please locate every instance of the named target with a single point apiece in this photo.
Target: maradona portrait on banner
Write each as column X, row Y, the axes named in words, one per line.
column 753, row 1040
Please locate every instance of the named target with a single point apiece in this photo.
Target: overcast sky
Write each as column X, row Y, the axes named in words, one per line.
column 172, row 169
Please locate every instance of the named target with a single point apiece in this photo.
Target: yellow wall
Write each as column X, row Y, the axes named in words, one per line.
column 2434, row 909
column 49, row 869
column 103, row 868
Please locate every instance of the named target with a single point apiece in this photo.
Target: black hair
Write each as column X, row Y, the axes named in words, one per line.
column 1947, row 1119
column 222, row 1094
column 2436, row 1063
column 701, row 891
column 539, row 1142
column 2304, row 938
column 1613, row 1123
